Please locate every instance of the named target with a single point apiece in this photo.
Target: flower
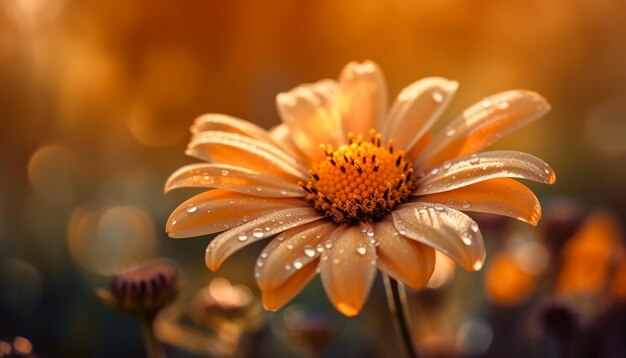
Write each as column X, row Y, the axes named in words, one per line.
column 344, row 198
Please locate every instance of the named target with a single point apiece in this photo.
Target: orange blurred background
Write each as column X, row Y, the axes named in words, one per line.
column 96, row 99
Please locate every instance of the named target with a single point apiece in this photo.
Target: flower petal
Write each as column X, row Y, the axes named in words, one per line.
column 226, row 243
column 289, row 252
column 362, row 97
column 447, row 230
column 483, row 166
column 282, row 136
column 233, row 178
column 415, row 110
column 502, row 196
column 309, row 113
column 238, row 150
column 348, row 269
column 275, row 299
column 404, row 259
column 223, row 123
column 218, row 210
column 482, row 124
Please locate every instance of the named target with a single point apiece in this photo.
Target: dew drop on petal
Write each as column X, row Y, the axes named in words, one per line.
column 478, row 265
column 486, row 103
column 259, row 263
column 447, row 164
column 319, row 248
column 258, row 188
column 242, row 237
column 503, row 105
column 370, row 233
column 258, row 233
column 224, row 172
column 434, row 171
column 288, row 267
column 328, row 244
column 173, row 222
column 192, row 208
column 297, row 264
column 361, row 249
column 437, row 97
column 466, row 205
column 283, row 192
column 289, row 246
column 309, row 251
column 439, row 207
column 263, row 255
column 450, row 132
column 474, row 159
column 474, row 227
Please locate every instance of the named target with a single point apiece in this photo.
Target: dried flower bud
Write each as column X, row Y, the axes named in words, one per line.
column 143, row 290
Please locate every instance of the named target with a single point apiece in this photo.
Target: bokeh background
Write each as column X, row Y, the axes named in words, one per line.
column 96, row 98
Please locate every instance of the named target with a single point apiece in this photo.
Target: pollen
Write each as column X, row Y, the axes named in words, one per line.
column 359, row 181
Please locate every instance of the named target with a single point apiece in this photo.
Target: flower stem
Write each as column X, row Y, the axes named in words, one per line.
column 398, row 306
column 152, row 345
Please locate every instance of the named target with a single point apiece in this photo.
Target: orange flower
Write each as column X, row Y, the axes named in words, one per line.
column 344, row 198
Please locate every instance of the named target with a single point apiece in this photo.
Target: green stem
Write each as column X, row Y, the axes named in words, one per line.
column 398, row 306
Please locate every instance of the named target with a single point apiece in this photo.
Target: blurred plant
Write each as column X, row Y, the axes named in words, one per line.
column 142, row 292
column 20, row 347
column 310, row 331
column 214, row 321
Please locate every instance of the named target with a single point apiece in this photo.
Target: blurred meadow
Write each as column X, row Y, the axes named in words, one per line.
column 96, row 100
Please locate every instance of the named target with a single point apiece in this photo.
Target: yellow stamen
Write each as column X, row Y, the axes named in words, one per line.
column 359, row 181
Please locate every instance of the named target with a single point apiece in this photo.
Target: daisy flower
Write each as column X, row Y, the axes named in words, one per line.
column 346, row 185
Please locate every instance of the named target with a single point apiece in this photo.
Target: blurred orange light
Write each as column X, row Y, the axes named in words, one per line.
column 22, row 345
column 506, row 282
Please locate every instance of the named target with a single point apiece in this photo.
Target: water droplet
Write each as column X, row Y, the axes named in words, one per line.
column 503, row 105
column 336, row 261
column 309, row 251
column 447, row 164
column 361, row 249
column 258, row 188
column 474, row 159
column 486, row 103
column 267, row 228
column 319, row 248
column 283, row 192
column 437, row 97
column 259, row 263
column 439, row 207
column 224, row 172
column 288, row 267
column 242, row 237
column 258, row 233
column 467, row 241
column 328, row 244
column 466, row 205
column 370, row 233
column 478, row 265
column 297, row 264
column 288, row 214
column 263, row 255
column 257, row 274
column 546, row 170
column 474, row 227
column 173, row 222
column 289, row 246
column 192, row 208
column 434, row 171
column 402, row 232
column 450, row 132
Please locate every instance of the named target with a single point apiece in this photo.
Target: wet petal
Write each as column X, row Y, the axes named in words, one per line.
column 282, row 136
column 275, row 299
column 223, row 123
column 238, row 150
column 348, row 269
column 479, row 167
column 218, row 210
column 447, row 230
column 289, row 252
column 500, row 196
column 309, row 113
column 226, row 243
column 362, row 97
column 406, row 260
column 233, row 178
column 482, row 124
column 415, row 110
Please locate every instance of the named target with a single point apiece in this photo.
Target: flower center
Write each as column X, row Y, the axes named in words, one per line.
column 359, row 181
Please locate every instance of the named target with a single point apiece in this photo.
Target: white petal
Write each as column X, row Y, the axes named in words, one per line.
column 415, row 110
column 483, row 166
column 447, row 230
column 225, row 244
column 218, row 210
column 362, row 97
column 233, row 178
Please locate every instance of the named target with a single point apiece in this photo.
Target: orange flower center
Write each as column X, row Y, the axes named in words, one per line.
column 360, row 181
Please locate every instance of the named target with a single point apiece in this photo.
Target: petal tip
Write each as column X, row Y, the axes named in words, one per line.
column 347, row 309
